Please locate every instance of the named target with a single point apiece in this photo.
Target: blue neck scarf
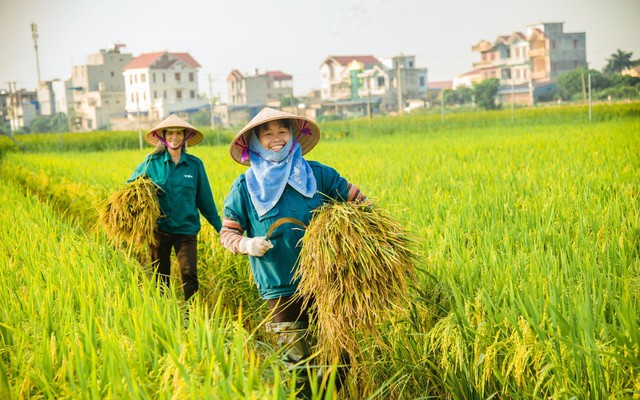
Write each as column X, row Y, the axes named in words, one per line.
column 270, row 172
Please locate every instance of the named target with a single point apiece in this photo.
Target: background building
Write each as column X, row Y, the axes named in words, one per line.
column 528, row 65
column 259, row 90
column 159, row 84
column 98, row 89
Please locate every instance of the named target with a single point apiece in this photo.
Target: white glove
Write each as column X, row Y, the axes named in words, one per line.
column 256, row 246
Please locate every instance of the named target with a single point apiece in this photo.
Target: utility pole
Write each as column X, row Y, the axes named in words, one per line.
column 442, row 106
column 212, row 117
column 34, row 35
column 513, row 95
column 138, row 118
column 369, row 97
column 211, row 101
column 14, row 100
column 399, row 85
column 589, row 78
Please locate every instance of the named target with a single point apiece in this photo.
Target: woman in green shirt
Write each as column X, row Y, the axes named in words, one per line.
column 279, row 185
column 185, row 193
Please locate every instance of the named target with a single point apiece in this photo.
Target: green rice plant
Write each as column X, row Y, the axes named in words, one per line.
column 527, row 285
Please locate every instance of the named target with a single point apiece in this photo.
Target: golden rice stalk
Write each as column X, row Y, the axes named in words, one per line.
column 130, row 214
column 355, row 267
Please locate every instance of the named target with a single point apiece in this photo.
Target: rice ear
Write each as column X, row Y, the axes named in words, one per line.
column 130, row 214
column 355, row 267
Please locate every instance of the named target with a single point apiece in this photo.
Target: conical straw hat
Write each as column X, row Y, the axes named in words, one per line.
column 173, row 121
column 305, row 131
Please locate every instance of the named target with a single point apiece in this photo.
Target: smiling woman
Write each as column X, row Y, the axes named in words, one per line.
column 184, row 194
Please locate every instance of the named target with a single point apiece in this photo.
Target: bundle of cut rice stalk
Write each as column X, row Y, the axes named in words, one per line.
column 355, row 267
column 129, row 216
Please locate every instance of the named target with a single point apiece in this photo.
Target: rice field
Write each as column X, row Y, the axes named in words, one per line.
column 528, row 272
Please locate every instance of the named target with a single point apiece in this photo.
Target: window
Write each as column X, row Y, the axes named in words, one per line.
column 113, row 74
column 131, row 79
column 164, row 77
column 133, row 100
column 177, row 75
column 553, row 44
column 380, row 81
column 143, row 78
column 144, row 97
column 575, row 44
column 164, row 94
column 193, row 94
column 155, row 94
column 421, row 81
column 153, row 77
column 190, row 76
column 410, row 64
column 135, row 79
column 178, row 94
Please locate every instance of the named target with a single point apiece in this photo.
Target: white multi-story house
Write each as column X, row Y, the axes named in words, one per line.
column 529, row 62
column 366, row 79
column 162, row 83
column 98, row 89
column 258, row 90
column 339, row 73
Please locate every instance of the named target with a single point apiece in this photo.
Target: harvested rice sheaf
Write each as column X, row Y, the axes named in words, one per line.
column 129, row 216
column 356, row 264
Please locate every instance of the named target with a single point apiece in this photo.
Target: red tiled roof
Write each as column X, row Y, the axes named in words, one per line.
column 235, row 75
column 440, row 85
column 148, row 60
column 278, row 75
column 345, row 60
column 472, row 72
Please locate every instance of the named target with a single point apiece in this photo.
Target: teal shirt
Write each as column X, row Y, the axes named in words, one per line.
column 185, row 191
column 273, row 272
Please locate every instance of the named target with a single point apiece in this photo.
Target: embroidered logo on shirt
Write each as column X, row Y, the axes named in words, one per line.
column 188, row 176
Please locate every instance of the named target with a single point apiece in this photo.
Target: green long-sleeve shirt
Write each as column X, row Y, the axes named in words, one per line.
column 185, row 191
column 274, row 271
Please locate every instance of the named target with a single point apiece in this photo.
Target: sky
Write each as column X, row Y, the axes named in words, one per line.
column 294, row 36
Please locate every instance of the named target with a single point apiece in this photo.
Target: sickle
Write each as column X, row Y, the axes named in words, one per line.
column 282, row 221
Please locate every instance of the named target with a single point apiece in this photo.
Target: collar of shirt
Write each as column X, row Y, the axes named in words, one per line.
column 167, row 157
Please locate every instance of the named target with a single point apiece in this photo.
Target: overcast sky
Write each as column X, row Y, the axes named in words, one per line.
column 294, row 36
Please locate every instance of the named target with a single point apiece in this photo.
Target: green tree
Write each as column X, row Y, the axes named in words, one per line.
column 464, row 95
column 200, row 118
column 59, row 123
column 289, row 101
column 485, row 93
column 40, row 124
column 619, row 61
column 5, row 128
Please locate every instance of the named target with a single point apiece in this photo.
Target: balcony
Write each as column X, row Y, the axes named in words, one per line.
column 539, row 74
column 483, row 64
column 537, row 52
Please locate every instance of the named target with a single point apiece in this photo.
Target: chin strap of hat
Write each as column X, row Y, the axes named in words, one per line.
column 163, row 141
